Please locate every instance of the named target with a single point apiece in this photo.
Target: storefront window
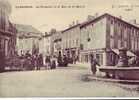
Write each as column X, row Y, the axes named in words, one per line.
column 119, row 43
column 86, row 58
column 99, row 58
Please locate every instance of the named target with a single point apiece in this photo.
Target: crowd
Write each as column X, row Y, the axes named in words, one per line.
column 36, row 61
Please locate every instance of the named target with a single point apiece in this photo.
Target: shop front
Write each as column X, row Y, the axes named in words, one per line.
column 99, row 54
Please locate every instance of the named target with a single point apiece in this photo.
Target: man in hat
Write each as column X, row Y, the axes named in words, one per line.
column 93, row 64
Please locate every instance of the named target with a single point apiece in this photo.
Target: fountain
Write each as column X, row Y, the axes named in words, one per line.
column 122, row 70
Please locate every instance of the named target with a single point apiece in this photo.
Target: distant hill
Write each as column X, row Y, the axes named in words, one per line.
column 26, row 29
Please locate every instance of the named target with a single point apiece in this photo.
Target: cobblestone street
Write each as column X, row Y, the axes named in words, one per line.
column 61, row 82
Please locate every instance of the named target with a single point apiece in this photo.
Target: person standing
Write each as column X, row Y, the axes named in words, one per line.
column 93, row 64
column 2, row 61
column 37, row 62
column 33, row 61
column 41, row 60
column 27, row 54
column 65, row 61
column 47, row 62
column 59, row 59
column 74, row 59
column 53, row 62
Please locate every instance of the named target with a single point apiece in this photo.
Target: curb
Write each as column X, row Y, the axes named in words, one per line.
column 113, row 80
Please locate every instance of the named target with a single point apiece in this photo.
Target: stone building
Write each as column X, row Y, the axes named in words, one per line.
column 71, row 41
column 104, row 35
column 7, row 31
column 57, row 42
column 27, row 39
column 45, row 44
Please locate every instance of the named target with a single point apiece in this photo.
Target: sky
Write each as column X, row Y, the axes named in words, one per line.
column 44, row 19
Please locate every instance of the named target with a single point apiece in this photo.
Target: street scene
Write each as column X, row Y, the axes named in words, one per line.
column 95, row 57
column 61, row 82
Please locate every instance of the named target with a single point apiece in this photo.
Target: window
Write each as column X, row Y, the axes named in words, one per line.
column 112, row 30
column 86, row 58
column 99, row 58
column 136, row 44
column 111, row 21
column 6, row 47
column 119, row 30
column 111, row 42
column 125, row 44
column 119, row 24
column 132, row 44
column 125, row 32
column 132, row 32
column 119, row 43
column 125, row 35
column 76, row 42
column 135, row 33
column 0, row 44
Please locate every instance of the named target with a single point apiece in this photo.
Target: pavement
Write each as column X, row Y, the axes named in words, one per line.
column 69, row 81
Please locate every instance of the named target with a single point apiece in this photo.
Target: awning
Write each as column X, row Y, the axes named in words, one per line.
column 129, row 53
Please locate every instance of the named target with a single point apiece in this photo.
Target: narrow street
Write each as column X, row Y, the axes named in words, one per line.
column 61, row 82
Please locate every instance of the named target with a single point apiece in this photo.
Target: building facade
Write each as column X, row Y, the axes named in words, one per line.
column 71, row 41
column 45, row 45
column 27, row 39
column 104, row 35
column 7, row 31
column 57, row 42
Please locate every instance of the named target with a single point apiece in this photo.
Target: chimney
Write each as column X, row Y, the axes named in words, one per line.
column 120, row 17
column 53, row 31
column 77, row 22
column 70, row 25
column 133, row 21
column 90, row 17
column 96, row 15
column 73, row 23
column 46, row 33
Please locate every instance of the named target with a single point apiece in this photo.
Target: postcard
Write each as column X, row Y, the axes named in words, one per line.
column 69, row 48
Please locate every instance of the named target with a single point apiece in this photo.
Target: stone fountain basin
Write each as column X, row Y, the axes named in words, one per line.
column 128, row 73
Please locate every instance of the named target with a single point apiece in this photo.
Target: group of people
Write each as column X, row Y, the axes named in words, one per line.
column 29, row 61
column 50, row 62
column 36, row 61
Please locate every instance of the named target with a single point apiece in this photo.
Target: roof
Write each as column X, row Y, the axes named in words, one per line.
column 91, row 21
column 70, row 28
column 105, row 15
column 124, row 21
column 26, row 29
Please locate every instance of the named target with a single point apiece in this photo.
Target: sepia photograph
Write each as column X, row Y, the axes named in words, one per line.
column 69, row 49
